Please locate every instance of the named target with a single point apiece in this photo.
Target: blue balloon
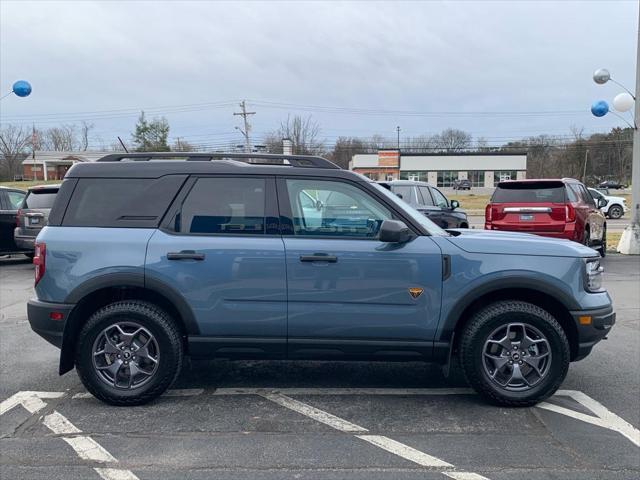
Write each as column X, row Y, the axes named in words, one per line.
column 22, row 88
column 599, row 108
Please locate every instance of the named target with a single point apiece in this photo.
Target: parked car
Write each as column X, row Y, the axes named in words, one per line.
column 612, row 184
column 145, row 262
column 10, row 201
column 615, row 206
column 430, row 201
column 552, row 208
column 33, row 215
column 462, row 184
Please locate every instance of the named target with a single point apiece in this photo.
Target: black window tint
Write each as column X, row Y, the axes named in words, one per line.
column 426, row 196
column 529, row 192
column 586, row 196
column 224, row 205
column 41, row 198
column 121, row 202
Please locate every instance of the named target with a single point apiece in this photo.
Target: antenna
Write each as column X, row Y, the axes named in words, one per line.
column 122, row 143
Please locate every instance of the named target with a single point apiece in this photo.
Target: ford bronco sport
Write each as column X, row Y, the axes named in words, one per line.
column 147, row 258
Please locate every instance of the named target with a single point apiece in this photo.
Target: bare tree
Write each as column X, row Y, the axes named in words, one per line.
column 421, row 143
column 453, row 140
column 14, row 141
column 304, row 133
column 61, row 139
column 180, row 145
column 85, row 128
column 344, row 149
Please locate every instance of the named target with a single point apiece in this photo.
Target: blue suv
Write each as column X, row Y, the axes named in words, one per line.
column 150, row 257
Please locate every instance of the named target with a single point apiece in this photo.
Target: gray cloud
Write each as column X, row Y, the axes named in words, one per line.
column 419, row 56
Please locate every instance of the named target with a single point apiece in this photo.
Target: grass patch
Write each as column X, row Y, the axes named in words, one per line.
column 612, row 241
column 29, row 183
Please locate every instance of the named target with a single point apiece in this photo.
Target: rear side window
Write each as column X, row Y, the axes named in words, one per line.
column 426, row 196
column 404, row 192
column 121, row 202
column 41, row 198
column 529, row 192
column 224, row 205
column 15, row 200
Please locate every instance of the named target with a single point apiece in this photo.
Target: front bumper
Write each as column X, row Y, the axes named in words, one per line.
column 41, row 314
column 598, row 327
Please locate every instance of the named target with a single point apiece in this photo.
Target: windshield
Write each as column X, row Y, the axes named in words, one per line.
column 415, row 215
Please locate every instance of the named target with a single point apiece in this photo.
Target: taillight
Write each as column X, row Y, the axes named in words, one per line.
column 39, row 260
column 18, row 215
column 569, row 213
column 488, row 213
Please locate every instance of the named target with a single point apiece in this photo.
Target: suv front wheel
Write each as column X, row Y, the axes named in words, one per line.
column 514, row 353
column 129, row 352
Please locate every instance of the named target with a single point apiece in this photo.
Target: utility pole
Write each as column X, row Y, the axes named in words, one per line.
column 398, row 130
column 247, row 126
column 584, row 170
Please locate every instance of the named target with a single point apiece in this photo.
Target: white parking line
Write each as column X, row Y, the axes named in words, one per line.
column 180, row 392
column 385, row 443
column 315, row 413
column 84, row 446
column 605, row 417
column 404, row 451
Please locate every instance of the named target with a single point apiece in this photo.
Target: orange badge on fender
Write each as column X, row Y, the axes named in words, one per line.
column 415, row 292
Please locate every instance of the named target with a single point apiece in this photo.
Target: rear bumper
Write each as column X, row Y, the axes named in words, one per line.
column 569, row 232
column 598, row 327
column 39, row 315
column 24, row 242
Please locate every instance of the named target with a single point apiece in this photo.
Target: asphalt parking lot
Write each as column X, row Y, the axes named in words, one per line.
column 317, row 420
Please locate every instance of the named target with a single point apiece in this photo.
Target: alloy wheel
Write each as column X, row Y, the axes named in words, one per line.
column 125, row 355
column 516, row 356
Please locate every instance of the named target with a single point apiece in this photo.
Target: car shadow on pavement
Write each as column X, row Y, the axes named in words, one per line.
column 315, row 374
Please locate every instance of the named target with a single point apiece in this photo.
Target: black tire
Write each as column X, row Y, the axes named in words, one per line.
column 586, row 238
column 169, row 356
column 603, row 244
column 499, row 314
column 615, row 211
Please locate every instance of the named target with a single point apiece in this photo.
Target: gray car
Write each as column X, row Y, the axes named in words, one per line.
column 34, row 214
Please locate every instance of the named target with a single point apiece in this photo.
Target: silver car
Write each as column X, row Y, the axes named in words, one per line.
column 34, row 214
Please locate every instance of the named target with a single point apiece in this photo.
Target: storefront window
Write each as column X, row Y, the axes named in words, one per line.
column 447, row 177
column 476, row 177
column 503, row 176
column 417, row 176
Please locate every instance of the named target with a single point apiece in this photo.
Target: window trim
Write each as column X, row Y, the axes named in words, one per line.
column 271, row 215
column 286, row 214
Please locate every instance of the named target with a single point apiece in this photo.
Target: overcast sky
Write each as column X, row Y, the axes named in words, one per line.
column 364, row 60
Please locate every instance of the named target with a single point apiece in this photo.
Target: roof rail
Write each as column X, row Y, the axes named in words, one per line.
column 306, row 161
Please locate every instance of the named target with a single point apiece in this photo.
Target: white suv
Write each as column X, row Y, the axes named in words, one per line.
column 616, row 206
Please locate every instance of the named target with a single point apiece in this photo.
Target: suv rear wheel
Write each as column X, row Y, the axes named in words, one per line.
column 514, row 353
column 129, row 352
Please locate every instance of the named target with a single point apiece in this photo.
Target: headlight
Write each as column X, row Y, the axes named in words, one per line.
column 593, row 275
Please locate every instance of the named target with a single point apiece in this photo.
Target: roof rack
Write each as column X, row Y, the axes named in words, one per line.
column 306, row 161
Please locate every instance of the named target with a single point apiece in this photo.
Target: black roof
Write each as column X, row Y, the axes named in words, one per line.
column 154, row 165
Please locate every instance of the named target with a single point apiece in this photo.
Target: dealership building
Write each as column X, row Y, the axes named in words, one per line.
column 482, row 169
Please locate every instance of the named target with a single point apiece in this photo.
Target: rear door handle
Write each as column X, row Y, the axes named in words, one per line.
column 319, row 257
column 185, row 255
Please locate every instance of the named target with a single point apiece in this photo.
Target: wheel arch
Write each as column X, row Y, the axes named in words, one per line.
column 555, row 302
column 101, row 291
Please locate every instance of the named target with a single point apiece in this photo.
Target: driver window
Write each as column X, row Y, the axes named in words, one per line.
column 440, row 199
column 334, row 209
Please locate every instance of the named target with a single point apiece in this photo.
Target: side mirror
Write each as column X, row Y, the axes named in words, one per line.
column 602, row 203
column 399, row 195
column 454, row 204
column 394, row 231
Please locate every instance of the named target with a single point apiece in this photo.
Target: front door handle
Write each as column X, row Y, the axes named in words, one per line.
column 319, row 257
column 185, row 255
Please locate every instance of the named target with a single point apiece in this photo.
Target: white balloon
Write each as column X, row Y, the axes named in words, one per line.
column 623, row 102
